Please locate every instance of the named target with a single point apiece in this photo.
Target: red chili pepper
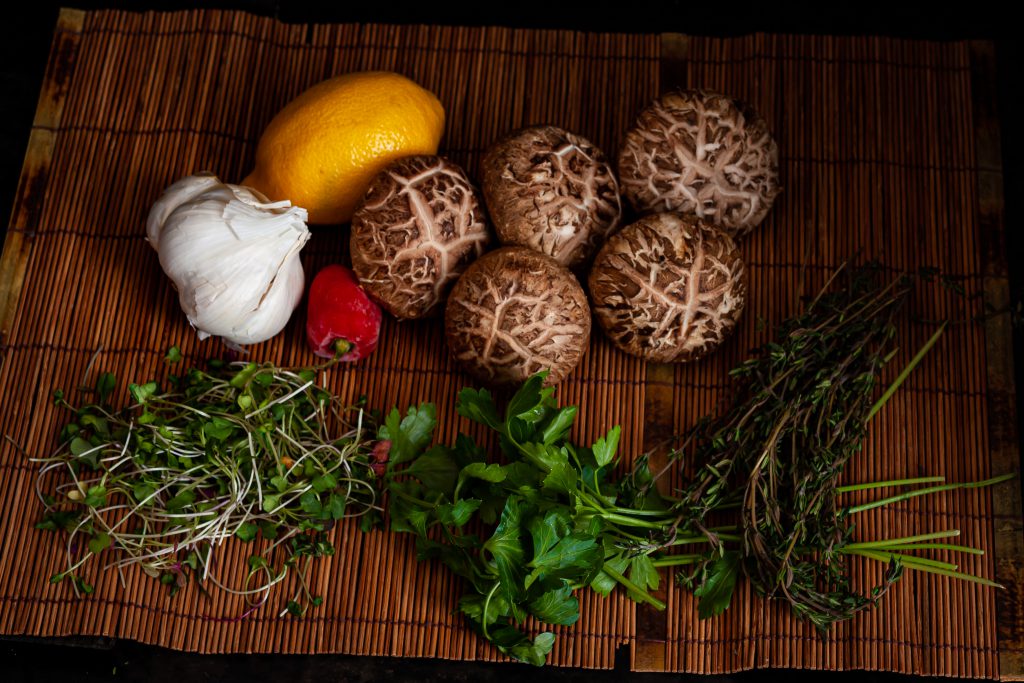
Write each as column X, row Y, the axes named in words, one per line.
column 341, row 319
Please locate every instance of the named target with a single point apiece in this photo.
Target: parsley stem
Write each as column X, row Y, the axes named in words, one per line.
column 886, row 542
column 881, row 557
column 938, row 546
column 928, row 490
column 892, row 482
column 905, row 372
column 412, row 499
column 487, row 605
column 625, row 520
column 908, row 560
column 690, row 540
column 636, row 590
column 676, row 560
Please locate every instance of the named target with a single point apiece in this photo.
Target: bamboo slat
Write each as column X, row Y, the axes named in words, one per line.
column 886, row 148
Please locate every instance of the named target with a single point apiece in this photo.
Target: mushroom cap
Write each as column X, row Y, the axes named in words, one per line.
column 699, row 152
column 418, row 227
column 668, row 288
column 551, row 191
column 515, row 312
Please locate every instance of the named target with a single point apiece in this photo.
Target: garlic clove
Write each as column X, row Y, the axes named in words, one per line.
column 181, row 192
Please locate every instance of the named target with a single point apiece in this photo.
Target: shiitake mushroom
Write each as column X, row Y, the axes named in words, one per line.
column 701, row 153
column 416, row 230
column 552, row 191
column 668, row 288
column 515, row 312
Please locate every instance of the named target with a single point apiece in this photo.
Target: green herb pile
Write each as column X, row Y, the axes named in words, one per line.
column 556, row 521
column 240, row 450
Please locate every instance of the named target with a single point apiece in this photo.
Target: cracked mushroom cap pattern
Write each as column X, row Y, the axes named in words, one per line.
column 551, row 191
column 700, row 152
column 668, row 288
column 417, row 229
column 514, row 313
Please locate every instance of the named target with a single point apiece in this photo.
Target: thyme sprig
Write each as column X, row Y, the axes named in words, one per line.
column 800, row 411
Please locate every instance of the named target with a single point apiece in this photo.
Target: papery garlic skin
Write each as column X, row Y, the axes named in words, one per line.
column 232, row 255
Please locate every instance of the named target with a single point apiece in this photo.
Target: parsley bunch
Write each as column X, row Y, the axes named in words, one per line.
column 551, row 510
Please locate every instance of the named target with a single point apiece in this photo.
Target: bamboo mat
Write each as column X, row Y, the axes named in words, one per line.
column 879, row 153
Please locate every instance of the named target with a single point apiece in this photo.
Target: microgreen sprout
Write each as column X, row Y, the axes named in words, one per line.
column 243, row 451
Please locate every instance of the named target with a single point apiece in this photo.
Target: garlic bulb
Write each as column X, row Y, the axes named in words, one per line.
column 232, row 254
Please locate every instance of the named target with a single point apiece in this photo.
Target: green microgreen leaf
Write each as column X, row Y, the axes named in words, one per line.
column 59, row 520
column 271, row 503
column 143, row 490
column 181, row 500
column 336, row 506
column 142, row 392
column 246, row 532
column 96, row 496
column 310, row 503
column 105, row 386
column 324, row 482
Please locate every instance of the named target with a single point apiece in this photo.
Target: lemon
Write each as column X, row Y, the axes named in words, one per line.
column 321, row 151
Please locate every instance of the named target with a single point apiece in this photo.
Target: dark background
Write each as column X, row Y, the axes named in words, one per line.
column 23, row 51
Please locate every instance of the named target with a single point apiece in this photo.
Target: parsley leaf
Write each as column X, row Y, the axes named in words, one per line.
column 715, row 591
column 477, row 405
column 411, row 434
column 556, row 606
column 605, row 447
column 436, row 469
column 506, row 547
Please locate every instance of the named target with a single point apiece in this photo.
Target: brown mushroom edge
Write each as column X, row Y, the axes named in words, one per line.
column 668, row 288
column 700, row 152
column 514, row 313
column 552, row 191
column 419, row 226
